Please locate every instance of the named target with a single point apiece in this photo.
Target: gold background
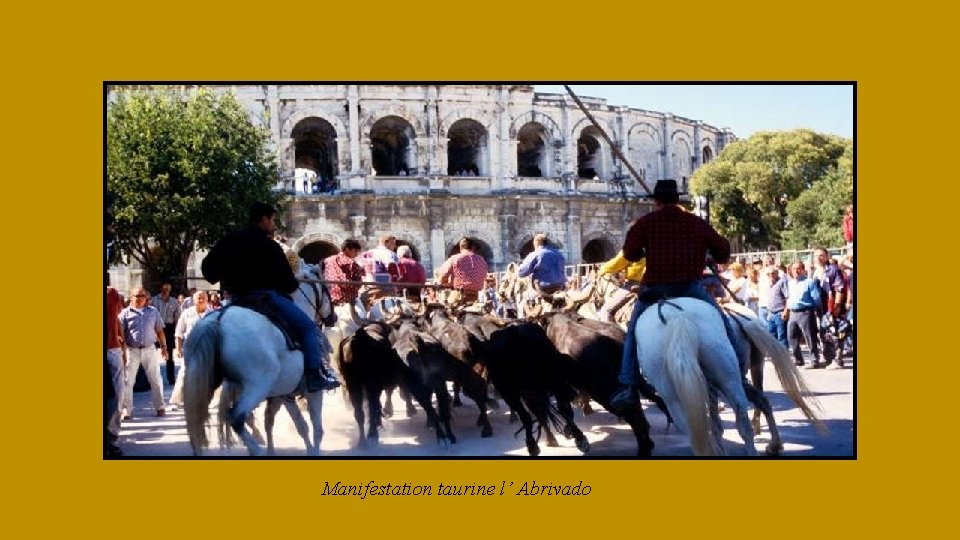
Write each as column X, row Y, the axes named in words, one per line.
column 57, row 57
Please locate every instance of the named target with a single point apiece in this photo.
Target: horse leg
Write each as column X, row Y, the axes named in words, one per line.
column 251, row 395
column 315, row 407
column 761, row 403
column 756, row 375
column 713, row 410
column 269, row 416
column 302, row 429
column 737, row 398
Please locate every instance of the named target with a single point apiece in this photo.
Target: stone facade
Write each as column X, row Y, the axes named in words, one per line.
column 499, row 163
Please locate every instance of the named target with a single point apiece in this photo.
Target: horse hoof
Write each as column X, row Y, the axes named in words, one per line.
column 444, row 443
column 774, row 449
column 552, row 443
column 533, row 450
column 486, row 432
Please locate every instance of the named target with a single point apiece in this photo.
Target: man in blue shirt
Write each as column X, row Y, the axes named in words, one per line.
column 142, row 326
column 546, row 266
column 776, row 303
column 803, row 304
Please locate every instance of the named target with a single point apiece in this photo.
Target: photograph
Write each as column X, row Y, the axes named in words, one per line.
column 479, row 270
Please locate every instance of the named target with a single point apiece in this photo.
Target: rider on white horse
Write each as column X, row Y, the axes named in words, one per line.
column 250, row 261
column 675, row 243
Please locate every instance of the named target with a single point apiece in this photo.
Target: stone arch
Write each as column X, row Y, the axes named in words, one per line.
column 585, row 122
column 393, row 146
column 645, row 155
column 707, row 151
column 645, row 127
column 310, row 238
column 604, row 237
column 535, row 151
column 468, row 148
column 683, row 156
column 540, row 118
column 392, row 109
column 302, row 114
column 477, row 115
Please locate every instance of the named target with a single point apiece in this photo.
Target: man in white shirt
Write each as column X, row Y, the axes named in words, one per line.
column 188, row 319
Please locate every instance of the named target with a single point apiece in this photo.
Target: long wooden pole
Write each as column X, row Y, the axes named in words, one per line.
column 613, row 147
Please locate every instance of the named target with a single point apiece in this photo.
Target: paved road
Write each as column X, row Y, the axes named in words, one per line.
column 149, row 436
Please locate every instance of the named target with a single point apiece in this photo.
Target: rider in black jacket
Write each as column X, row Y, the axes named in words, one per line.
column 250, row 260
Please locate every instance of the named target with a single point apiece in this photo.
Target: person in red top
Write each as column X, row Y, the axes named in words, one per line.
column 116, row 361
column 465, row 271
column 343, row 267
column 410, row 271
column 675, row 244
column 848, row 226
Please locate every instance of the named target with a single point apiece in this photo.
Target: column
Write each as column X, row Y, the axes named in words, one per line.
column 273, row 105
column 353, row 102
column 503, row 116
column 667, row 149
column 574, row 249
column 437, row 241
column 433, row 132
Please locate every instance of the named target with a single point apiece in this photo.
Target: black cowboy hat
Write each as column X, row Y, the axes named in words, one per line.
column 666, row 191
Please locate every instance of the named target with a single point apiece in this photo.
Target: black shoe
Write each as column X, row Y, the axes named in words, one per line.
column 624, row 398
column 330, row 382
column 314, row 381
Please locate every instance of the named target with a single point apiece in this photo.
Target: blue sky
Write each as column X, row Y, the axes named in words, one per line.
column 745, row 109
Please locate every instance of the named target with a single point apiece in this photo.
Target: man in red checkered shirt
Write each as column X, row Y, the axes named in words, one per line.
column 675, row 244
column 342, row 267
column 465, row 271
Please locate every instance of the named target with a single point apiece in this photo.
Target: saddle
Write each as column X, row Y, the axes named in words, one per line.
column 260, row 302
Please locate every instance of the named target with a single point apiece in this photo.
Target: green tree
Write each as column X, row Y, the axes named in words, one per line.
column 183, row 167
column 753, row 181
column 814, row 218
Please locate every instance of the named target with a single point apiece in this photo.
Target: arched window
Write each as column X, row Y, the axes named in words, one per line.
column 467, row 149
column 533, row 156
column 707, row 155
column 590, row 162
column 393, row 147
column 597, row 250
column 315, row 150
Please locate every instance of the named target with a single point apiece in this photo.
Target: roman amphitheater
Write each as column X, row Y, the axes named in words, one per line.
column 432, row 163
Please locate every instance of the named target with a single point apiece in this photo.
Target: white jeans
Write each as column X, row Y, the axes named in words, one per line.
column 115, row 363
column 150, row 358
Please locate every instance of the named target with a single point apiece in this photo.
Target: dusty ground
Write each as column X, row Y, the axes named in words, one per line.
column 149, row 436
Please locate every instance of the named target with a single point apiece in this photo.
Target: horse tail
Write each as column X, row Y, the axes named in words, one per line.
column 200, row 360
column 790, row 380
column 229, row 393
column 683, row 371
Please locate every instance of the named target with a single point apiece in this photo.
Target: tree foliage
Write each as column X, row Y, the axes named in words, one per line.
column 757, row 187
column 183, row 168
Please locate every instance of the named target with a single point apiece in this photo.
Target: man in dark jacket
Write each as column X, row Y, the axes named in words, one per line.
column 249, row 261
column 675, row 243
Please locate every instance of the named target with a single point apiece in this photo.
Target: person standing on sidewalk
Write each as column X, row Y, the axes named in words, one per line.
column 169, row 309
column 142, row 327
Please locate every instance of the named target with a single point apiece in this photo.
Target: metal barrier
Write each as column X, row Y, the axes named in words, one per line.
column 786, row 256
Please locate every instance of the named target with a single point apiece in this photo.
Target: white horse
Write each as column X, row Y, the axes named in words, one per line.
column 243, row 348
column 686, row 354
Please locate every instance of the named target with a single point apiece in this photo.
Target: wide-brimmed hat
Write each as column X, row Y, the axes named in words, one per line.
column 666, row 191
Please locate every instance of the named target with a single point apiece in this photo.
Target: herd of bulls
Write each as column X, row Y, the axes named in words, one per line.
column 538, row 367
